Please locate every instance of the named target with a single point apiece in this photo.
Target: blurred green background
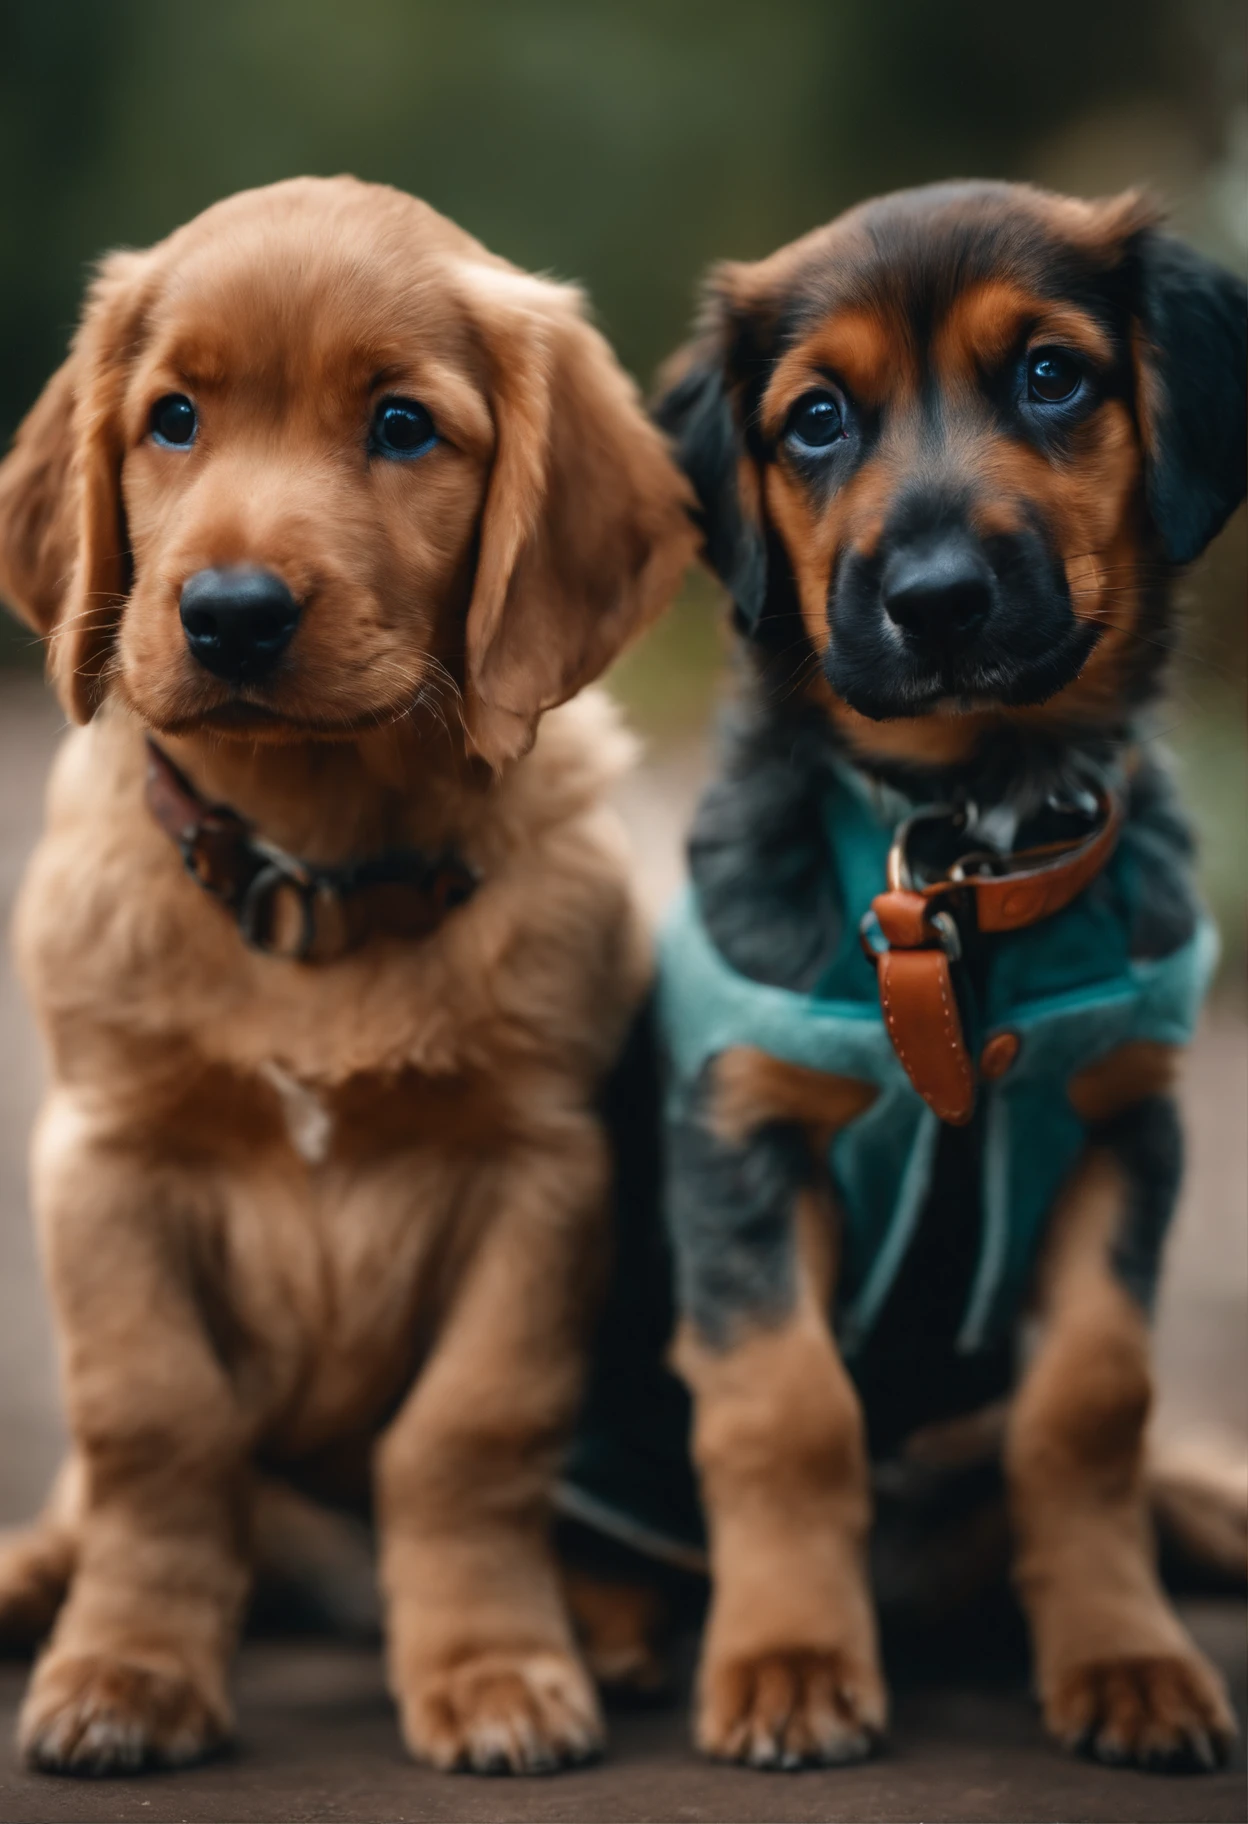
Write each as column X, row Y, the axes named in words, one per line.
column 625, row 143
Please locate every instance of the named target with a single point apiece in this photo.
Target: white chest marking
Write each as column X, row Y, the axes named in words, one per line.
column 308, row 1121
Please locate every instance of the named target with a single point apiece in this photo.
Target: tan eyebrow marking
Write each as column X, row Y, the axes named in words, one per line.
column 857, row 347
column 987, row 322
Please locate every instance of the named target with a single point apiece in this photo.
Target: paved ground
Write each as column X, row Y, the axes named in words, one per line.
column 318, row 1739
column 319, row 1743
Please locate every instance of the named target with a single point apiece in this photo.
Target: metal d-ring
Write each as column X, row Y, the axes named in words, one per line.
column 258, row 898
column 946, row 927
column 900, row 877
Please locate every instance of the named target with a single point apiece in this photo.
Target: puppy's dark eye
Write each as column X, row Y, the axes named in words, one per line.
column 816, row 421
column 1053, row 376
column 174, row 420
column 401, row 428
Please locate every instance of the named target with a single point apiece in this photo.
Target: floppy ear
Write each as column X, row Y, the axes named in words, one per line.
column 37, row 506
column 1191, row 357
column 708, row 393
column 586, row 530
column 64, row 561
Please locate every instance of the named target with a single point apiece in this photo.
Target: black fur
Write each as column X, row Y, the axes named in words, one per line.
column 1156, row 300
column 1158, row 837
column 631, row 1448
column 708, row 411
column 758, row 853
column 766, row 893
column 1195, row 317
column 758, row 850
column 730, row 1209
column 1147, row 1141
column 698, row 415
column 909, row 1372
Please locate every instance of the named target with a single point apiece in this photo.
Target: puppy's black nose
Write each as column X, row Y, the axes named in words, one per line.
column 237, row 622
column 939, row 593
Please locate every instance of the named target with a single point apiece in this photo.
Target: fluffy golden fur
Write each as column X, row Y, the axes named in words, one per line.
column 341, row 1222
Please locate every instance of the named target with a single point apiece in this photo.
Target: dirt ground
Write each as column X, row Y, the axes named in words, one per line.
column 317, row 1737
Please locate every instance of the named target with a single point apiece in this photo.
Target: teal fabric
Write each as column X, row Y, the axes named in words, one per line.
column 1067, row 986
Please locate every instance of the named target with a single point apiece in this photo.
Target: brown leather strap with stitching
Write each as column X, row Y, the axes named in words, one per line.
column 921, row 1013
column 290, row 908
column 915, row 971
column 1008, row 902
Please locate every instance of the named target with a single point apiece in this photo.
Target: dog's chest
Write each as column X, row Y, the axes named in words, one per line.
column 343, row 1254
column 333, row 1304
column 306, row 1113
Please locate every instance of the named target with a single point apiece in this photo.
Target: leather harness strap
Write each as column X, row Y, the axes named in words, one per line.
column 289, row 908
column 922, row 942
column 920, row 1010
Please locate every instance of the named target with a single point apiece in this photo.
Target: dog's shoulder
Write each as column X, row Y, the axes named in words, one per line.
column 1159, row 848
column 758, row 849
column 557, row 909
column 99, row 864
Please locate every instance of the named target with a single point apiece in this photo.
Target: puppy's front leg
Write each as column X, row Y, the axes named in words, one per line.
column 790, row 1669
column 482, row 1662
column 1116, row 1670
column 135, row 1671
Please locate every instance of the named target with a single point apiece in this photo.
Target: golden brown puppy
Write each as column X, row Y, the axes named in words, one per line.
column 924, row 1002
column 334, row 504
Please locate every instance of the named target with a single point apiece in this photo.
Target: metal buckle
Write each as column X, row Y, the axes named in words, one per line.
column 901, row 876
column 188, row 848
column 875, row 944
column 255, row 911
column 945, row 926
column 873, row 941
column 975, row 864
column 900, row 873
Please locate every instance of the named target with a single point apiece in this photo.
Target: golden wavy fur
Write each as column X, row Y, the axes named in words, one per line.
column 342, row 1221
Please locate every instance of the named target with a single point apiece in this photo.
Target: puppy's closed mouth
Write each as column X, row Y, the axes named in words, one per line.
column 241, row 716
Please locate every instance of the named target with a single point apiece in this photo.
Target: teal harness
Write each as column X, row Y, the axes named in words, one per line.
column 1067, row 988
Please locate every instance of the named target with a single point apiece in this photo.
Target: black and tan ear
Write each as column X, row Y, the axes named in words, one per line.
column 707, row 394
column 586, row 530
column 1192, row 372
column 64, row 560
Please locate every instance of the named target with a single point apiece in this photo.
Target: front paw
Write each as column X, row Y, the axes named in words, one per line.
column 502, row 1712
column 790, row 1708
column 1164, row 1711
column 93, row 1714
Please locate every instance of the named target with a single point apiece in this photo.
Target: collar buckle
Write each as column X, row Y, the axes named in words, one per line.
column 904, row 873
column 258, row 914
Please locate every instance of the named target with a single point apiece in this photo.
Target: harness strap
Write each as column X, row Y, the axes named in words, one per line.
column 291, row 908
column 919, row 925
column 920, row 1011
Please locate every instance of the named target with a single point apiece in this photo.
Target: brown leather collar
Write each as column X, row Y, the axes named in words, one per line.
column 918, row 921
column 287, row 907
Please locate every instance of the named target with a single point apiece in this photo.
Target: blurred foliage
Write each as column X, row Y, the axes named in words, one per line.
column 624, row 143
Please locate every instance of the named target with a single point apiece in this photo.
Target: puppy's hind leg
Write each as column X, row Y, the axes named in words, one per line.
column 620, row 1627
column 313, row 1565
column 1198, row 1490
column 1118, row 1675
column 37, row 1563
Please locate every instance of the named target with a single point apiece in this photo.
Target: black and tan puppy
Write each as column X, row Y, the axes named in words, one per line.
column 925, row 999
